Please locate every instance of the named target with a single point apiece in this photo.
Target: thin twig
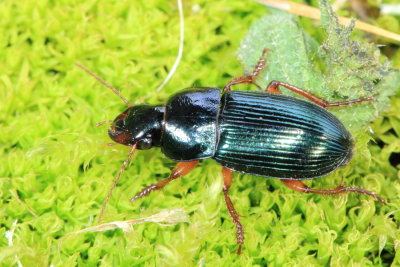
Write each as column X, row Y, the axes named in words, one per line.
column 180, row 50
column 314, row 13
column 167, row 217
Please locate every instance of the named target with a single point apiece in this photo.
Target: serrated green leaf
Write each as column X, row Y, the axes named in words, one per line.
column 353, row 69
column 289, row 58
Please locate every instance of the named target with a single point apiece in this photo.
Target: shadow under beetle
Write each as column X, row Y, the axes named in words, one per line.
column 259, row 133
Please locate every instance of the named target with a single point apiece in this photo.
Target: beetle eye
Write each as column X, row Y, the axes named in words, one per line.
column 144, row 144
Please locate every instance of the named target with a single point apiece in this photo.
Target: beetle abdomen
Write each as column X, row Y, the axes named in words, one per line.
column 279, row 136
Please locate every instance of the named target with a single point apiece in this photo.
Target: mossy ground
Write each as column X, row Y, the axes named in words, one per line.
column 55, row 169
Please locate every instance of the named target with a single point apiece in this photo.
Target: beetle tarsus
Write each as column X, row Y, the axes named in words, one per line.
column 181, row 169
column 227, row 176
column 250, row 79
column 340, row 189
column 146, row 191
column 260, row 64
column 349, row 102
column 273, row 88
column 366, row 192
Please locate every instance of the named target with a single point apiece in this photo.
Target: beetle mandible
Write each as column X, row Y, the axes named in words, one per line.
column 254, row 132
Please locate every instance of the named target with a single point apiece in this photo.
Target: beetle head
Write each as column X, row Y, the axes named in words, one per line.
column 140, row 125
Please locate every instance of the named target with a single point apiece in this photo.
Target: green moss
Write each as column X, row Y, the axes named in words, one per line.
column 55, row 170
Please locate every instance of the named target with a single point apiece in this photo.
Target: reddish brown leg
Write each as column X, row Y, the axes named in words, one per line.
column 301, row 187
column 250, row 78
column 181, row 169
column 227, row 175
column 273, row 88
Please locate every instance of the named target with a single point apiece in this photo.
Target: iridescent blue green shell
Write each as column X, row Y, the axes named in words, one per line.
column 279, row 136
column 257, row 133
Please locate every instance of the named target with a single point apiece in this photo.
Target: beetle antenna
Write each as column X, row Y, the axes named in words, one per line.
column 115, row 91
column 114, row 184
column 102, row 123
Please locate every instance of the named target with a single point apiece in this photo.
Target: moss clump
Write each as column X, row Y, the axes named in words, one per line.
column 55, row 170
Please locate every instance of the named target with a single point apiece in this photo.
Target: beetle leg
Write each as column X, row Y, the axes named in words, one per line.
column 301, row 187
column 227, row 176
column 181, row 169
column 250, row 78
column 273, row 88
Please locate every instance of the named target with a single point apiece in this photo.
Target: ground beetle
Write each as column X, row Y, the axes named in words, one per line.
column 254, row 132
